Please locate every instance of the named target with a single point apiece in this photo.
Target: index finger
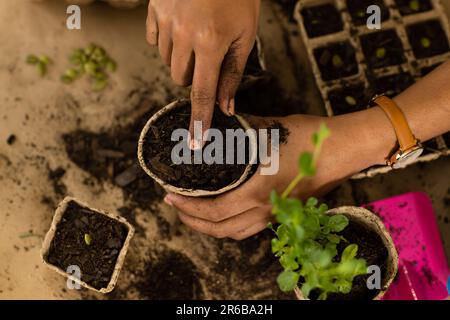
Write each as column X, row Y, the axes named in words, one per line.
column 203, row 92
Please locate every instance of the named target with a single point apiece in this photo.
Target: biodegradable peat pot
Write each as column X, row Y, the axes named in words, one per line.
column 369, row 220
column 108, row 236
column 230, row 180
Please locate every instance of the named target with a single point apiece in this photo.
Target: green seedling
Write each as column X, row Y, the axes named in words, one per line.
column 380, row 53
column 41, row 62
column 425, row 42
column 87, row 239
column 93, row 61
column 350, row 100
column 414, row 5
column 360, row 14
column 337, row 61
column 307, row 238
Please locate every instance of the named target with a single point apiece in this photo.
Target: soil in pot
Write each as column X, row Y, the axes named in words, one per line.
column 350, row 99
column 427, row 39
column 336, row 61
column 321, row 20
column 372, row 249
column 407, row 7
column 158, row 146
column 393, row 85
column 89, row 240
column 358, row 10
column 426, row 70
column 382, row 49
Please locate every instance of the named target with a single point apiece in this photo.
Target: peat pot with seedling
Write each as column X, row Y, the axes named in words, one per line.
column 87, row 245
column 193, row 175
column 330, row 254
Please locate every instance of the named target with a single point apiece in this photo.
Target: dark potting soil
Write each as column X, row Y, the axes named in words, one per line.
column 170, row 276
column 382, row 49
column 253, row 66
column 336, row 61
column 158, row 147
column 11, row 139
column 350, row 99
column 407, row 7
column 427, row 39
column 393, row 85
column 358, row 10
column 97, row 259
column 426, row 70
column 372, row 249
column 447, row 139
column 321, row 20
column 112, row 156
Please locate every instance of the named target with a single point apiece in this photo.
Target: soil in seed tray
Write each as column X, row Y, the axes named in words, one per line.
column 336, row 61
column 350, row 99
column 89, row 240
column 158, row 147
column 425, row 71
column 321, row 20
column 393, row 85
column 253, row 67
column 372, row 249
column 382, row 49
column 358, row 10
column 427, row 39
column 407, row 7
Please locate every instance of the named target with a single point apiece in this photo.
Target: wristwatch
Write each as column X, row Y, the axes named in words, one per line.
column 409, row 148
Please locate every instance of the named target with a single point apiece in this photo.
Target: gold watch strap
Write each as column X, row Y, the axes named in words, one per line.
column 405, row 137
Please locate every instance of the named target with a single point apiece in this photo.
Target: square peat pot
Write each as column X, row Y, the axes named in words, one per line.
column 322, row 19
column 358, row 10
column 337, row 60
column 393, row 85
column 428, row 39
column 348, row 99
column 383, row 49
column 423, row 270
column 408, row 7
column 86, row 245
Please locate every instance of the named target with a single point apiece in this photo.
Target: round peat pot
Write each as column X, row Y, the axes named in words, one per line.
column 75, row 222
column 251, row 134
column 365, row 218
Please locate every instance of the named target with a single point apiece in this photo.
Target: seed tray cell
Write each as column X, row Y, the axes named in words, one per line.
column 351, row 63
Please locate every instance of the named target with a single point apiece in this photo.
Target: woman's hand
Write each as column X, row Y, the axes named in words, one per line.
column 246, row 210
column 205, row 43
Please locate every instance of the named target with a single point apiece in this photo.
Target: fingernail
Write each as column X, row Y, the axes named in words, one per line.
column 194, row 144
column 231, row 107
column 168, row 199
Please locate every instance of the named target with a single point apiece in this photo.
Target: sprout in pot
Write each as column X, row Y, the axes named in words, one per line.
column 226, row 160
column 88, row 240
column 327, row 252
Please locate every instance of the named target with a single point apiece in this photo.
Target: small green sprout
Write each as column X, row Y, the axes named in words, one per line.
column 414, row 5
column 425, row 42
column 360, row 14
column 337, row 61
column 41, row 62
column 350, row 100
column 93, row 61
column 87, row 239
column 307, row 238
column 381, row 53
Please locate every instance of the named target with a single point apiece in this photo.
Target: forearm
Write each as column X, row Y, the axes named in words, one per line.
column 426, row 106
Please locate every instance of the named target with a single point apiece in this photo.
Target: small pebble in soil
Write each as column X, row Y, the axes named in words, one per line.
column 11, row 139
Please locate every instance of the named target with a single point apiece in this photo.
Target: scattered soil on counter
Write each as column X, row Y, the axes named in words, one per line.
column 112, row 156
column 158, row 146
column 171, row 276
column 372, row 249
column 89, row 240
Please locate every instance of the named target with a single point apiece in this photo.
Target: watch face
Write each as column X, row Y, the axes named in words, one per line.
column 407, row 158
